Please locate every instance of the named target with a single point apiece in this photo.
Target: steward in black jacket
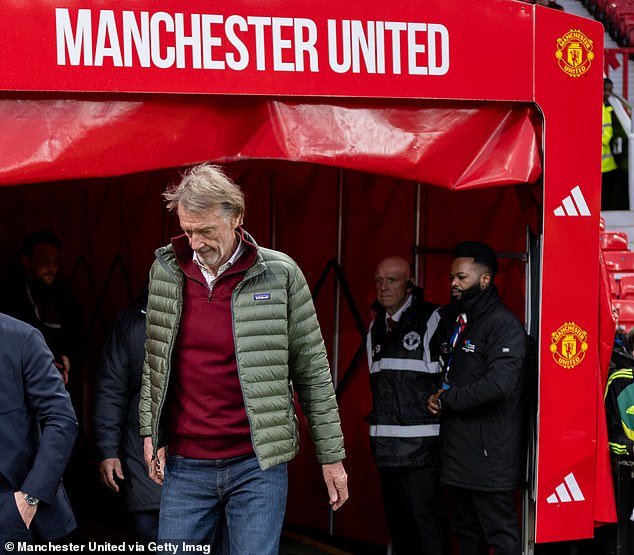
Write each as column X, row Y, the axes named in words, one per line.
column 481, row 406
column 403, row 347
column 404, row 371
column 482, row 426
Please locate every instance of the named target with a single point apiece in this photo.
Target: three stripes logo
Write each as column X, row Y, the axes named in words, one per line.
column 567, row 491
column 573, row 205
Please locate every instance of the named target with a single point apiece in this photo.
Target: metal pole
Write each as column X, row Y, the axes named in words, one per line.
column 417, row 218
column 273, row 237
column 337, row 311
column 630, row 162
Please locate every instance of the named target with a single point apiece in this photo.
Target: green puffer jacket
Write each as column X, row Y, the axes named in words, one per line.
column 278, row 341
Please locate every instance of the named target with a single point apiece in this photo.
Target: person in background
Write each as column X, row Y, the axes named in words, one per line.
column 232, row 333
column 614, row 195
column 619, row 412
column 37, row 431
column 619, row 396
column 116, row 420
column 403, row 357
column 37, row 296
column 482, row 428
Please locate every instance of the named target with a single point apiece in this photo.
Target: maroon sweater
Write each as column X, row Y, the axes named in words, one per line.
column 206, row 414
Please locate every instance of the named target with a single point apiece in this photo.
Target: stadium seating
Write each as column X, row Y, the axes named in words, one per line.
column 617, row 16
column 619, row 261
column 625, row 312
column 626, row 287
column 614, row 241
column 615, row 287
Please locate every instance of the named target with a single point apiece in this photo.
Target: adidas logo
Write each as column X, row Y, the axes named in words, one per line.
column 630, row 410
column 563, row 494
column 573, row 205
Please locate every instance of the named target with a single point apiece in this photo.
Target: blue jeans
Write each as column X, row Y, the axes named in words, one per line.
column 196, row 493
column 146, row 525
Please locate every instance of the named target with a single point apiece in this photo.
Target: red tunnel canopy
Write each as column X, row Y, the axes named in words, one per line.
column 52, row 138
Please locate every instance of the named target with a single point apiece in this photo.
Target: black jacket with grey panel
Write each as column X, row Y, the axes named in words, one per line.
column 404, row 371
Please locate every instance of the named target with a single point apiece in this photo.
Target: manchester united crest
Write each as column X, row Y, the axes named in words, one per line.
column 569, row 345
column 574, row 53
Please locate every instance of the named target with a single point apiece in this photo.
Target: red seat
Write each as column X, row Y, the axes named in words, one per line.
column 623, row 25
column 619, row 261
column 624, row 310
column 626, row 287
column 613, row 240
column 615, row 287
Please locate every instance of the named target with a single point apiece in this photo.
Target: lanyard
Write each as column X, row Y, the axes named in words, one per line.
column 461, row 323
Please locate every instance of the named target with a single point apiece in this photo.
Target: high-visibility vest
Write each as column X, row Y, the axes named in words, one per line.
column 607, row 159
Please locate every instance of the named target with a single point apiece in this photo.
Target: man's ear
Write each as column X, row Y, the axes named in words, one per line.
column 485, row 280
column 409, row 284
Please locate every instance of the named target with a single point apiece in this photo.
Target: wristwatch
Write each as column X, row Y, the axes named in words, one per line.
column 30, row 500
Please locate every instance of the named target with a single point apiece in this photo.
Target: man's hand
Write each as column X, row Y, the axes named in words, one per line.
column 27, row 512
column 337, row 483
column 64, row 368
column 109, row 469
column 155, row 465
column 433, row 406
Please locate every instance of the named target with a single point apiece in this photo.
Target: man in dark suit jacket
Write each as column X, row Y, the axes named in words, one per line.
column 37, row 431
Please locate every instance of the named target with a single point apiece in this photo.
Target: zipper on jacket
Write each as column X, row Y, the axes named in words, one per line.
column 234, row 295
column 484, row 445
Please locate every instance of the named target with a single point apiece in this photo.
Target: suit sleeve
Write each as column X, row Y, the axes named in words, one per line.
column 51, row 408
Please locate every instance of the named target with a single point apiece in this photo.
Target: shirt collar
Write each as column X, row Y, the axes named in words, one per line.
column 397, row 315
column 232, row 260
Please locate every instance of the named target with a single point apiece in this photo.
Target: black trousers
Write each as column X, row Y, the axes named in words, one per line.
column 415, row 515
column 614, row 191
column 482, row 519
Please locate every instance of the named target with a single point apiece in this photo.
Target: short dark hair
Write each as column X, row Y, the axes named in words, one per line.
column 43, row 236
column 607, row 81
column 481, row 254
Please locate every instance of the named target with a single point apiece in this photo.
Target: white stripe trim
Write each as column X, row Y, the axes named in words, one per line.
column 390, row 430
column 562, row 492
column 407, row 364
column 570, row 207
column 581, row 202
column 574, row 488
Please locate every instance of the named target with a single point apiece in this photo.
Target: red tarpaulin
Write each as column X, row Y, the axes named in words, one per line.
column 457, row 146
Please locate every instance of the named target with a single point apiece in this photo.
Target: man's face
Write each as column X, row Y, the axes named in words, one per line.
column 390, row 280
column 467, row 279
column 42, row 266
column 211, row 234
column 607, row 91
